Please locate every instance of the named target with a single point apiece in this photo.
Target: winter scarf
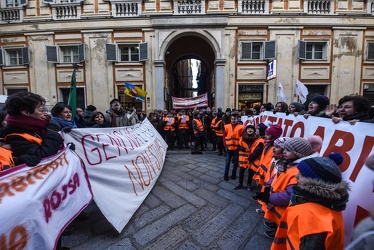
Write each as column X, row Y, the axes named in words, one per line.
column 28, row 123
column 64, row 123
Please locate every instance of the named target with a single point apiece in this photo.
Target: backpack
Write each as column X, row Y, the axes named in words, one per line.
column 6, row 159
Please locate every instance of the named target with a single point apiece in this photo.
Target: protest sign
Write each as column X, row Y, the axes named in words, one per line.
column 123, row 164
column 37, row 203
column 354, row 142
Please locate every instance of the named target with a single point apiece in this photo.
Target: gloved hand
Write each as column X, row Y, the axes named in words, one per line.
column 264, row 196
column 71, row 146
column 66, row 129
column 29, row 160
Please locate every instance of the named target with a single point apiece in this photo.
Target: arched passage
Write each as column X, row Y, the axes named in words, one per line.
column 178, row 56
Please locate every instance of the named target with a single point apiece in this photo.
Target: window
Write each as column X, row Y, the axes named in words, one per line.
column 14, row 56
column 258, row 50
column 64, row 96
column 127, row 52
column 11, row 91
column 370, row 51
column 13, row 3
column 312, row 50
column 66, row 54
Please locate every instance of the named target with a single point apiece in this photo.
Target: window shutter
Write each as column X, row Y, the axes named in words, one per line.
column 26, row 55
column 23, row 2
column 52, row 54
column 48, row 1
column 143, row 52
column 111, row 52
column 269, row 49
column 370, row 54
column 2, row 58
column 302, row 50
column 246, row 50
column 81, row 53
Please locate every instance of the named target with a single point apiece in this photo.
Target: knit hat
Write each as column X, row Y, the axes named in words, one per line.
column 322, row 101
column 250, row 126
column 322, row 168
column 274, row 130
column 298, row 106
column 303, row 147
column 280, row 141
column 261, row 128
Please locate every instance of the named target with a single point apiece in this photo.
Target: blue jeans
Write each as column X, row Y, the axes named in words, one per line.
column 229, row 155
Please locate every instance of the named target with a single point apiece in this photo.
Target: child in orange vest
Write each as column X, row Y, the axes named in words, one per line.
column 278, row 189
column 314, row 218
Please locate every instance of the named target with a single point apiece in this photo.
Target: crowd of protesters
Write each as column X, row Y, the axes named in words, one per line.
column 294, row 184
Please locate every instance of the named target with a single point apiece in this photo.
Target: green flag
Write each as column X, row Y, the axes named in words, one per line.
column 72, row 101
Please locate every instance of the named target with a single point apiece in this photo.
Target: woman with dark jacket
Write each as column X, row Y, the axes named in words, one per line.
column 98, row 120
column 27, row 129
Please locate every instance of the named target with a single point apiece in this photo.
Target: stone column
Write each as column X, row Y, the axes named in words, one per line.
column 158, row 95
column 220, row 76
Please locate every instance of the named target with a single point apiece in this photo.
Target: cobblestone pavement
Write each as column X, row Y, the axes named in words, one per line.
column 190, row 207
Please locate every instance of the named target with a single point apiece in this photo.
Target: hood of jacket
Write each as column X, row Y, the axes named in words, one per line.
column 332, row 195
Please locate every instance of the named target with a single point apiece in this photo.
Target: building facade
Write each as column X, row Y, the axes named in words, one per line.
column 328, row 45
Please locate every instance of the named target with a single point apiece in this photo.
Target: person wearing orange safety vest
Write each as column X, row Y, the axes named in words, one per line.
column 314, row 218
column 218, row 129
column 213, row 136
column 169, row 129
column 183, row 123
column 231, row 137
column 198, row 131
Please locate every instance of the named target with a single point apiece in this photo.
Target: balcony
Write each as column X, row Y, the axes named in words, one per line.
column 66, row 12
column 189, row 7
column 319, row 7
column 11, row 15
column 124, row 9
column 247, row 7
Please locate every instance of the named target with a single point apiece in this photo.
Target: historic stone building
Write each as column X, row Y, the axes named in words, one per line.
column 328, row 45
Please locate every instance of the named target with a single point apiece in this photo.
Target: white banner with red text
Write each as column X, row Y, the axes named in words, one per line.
column 354, row 142
column 36, row 204
column 200, row 101
column 123, row 164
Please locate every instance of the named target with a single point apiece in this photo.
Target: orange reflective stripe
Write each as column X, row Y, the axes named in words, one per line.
column 28, row 137
column 199, row 124
column 169, row 127
column 233, row 136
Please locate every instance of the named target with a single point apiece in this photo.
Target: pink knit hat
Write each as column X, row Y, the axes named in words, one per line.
column 274, row 130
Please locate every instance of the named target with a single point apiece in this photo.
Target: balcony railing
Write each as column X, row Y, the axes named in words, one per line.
column 11, row 15
column 121, row 9
column 321, row 7
column 189, row 7
column 253, row 7
column 66, row 11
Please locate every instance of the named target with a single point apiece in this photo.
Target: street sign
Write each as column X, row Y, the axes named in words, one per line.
column 272, row 69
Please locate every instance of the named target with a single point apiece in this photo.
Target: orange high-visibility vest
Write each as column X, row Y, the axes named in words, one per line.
column 265, row 163
column 256, row 163
column 200, row 125
column 218, row 131
column 279, row 184
column 233, row 136
column 306, row 219
column 183, row 125
column 169, row 127
column 28, row 137
column 243, row 155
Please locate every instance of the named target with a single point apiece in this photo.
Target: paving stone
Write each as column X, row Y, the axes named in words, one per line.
column 190, row 197
column 234, row 197
column 212, row 197
column 197, row 219
column 168, row 197
column 170, row 239
column 188, row 245
column 160, row 227
column 211, row 230
column 189, row 185
column 151, row 215
column 123, row 244
column 152, row 201
column 205, row 184
column 210, row 179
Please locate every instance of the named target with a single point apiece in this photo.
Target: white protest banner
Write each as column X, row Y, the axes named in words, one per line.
column 123, row 164
column 190, row 102
column 354, row 142
column 36, row 204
